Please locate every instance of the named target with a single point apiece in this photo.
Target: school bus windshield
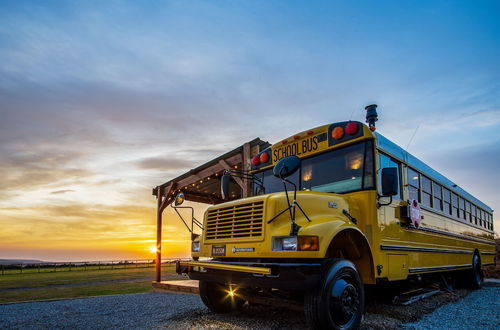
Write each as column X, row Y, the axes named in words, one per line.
column 339, row 171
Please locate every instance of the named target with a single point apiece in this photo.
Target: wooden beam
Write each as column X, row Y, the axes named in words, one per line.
column 210, row 171
column 168, row 196
column 186, row 286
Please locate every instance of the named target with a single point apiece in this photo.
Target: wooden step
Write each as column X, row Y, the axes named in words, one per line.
column 184, row 286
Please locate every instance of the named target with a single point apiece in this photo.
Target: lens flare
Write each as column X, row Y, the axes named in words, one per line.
column 231, row 292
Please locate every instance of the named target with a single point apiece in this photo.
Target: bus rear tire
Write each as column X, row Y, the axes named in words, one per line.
column 338, row 301
column 476, row 276
column 217, row 298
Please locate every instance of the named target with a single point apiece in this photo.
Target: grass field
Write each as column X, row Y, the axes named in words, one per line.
column 78, row 283
column 43, row 268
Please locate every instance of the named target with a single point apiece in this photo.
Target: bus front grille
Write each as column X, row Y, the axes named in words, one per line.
column 238, row 221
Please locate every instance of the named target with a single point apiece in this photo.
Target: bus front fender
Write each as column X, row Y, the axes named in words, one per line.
column 343, row 239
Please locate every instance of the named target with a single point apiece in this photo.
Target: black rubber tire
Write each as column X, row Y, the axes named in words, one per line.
column 475, row 276
column 328, row 308
column 216, row 297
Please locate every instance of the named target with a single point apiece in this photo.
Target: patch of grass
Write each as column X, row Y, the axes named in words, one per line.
column 34, row 280
column 75, row 292
column 40, row 286
column 57, row 269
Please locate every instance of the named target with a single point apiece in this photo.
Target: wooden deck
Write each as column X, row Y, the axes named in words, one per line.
column 185, row 287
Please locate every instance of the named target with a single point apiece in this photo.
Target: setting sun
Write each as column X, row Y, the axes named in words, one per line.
column 152, row 249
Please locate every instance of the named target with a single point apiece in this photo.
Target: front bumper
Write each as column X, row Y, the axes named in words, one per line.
column 289, row 276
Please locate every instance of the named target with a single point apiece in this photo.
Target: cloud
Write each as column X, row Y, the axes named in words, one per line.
column 163, row 163
column 98, row 108
column 57, row 192
column 475, row 168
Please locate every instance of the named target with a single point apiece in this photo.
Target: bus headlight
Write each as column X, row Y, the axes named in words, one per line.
column 296, row 243
column 195, row 246
column 289, row 243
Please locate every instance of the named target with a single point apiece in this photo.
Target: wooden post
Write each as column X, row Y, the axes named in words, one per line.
column 158, row 233
column 247, row 190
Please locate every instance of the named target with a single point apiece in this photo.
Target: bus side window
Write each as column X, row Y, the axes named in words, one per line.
column 385, row 161
column 413, row 185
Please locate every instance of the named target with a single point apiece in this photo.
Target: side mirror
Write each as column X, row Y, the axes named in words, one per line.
column 224, row 185
column 389, row 181
column 179, row 199
column 286, row 167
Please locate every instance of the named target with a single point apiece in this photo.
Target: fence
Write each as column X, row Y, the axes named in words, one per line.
column 46, row 267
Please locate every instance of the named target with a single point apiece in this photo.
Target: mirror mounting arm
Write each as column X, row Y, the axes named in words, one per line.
column 281, row 170
column 194, row 221
column 242, row 174
column 383, row 204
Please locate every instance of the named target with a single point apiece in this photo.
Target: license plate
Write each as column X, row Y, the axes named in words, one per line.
column 218, row 250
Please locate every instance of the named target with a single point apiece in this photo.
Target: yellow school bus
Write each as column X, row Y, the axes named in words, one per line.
column 335, row 208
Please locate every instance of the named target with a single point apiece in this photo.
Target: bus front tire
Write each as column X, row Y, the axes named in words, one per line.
column 476, row 277
column 218, row 299
column 338, row 301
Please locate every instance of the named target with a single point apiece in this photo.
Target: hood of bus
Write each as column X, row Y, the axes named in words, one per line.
column 242, row 226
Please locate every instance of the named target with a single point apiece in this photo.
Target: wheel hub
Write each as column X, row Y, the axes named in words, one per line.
column 344, row 302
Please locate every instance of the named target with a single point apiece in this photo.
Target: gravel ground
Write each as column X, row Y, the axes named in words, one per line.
column 139, row 311
column 479, row 310
column 175, row 311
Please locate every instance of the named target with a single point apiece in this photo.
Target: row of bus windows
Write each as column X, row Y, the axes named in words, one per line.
column 433, row 195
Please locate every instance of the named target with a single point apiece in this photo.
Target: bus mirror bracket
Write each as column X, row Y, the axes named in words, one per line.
column 226, row 179
column 179, row 199
column 283, row 169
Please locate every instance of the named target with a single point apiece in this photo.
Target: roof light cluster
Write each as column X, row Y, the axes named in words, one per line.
column 262, row 158
column 343, row 131
column 351, row 128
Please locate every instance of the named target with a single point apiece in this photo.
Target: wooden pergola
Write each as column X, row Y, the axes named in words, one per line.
column 202, row 184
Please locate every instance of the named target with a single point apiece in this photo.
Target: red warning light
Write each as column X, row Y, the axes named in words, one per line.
column 256, row 161
column 351, row 128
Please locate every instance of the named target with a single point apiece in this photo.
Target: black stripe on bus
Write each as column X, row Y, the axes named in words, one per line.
column 437, row 231
column 430, row 269
column 421, row 249
column 489, row 253
column 489, row 264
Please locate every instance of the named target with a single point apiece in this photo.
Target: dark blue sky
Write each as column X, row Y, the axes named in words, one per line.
column 102, row 100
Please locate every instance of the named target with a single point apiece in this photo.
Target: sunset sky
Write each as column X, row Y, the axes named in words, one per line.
column 100, row 101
